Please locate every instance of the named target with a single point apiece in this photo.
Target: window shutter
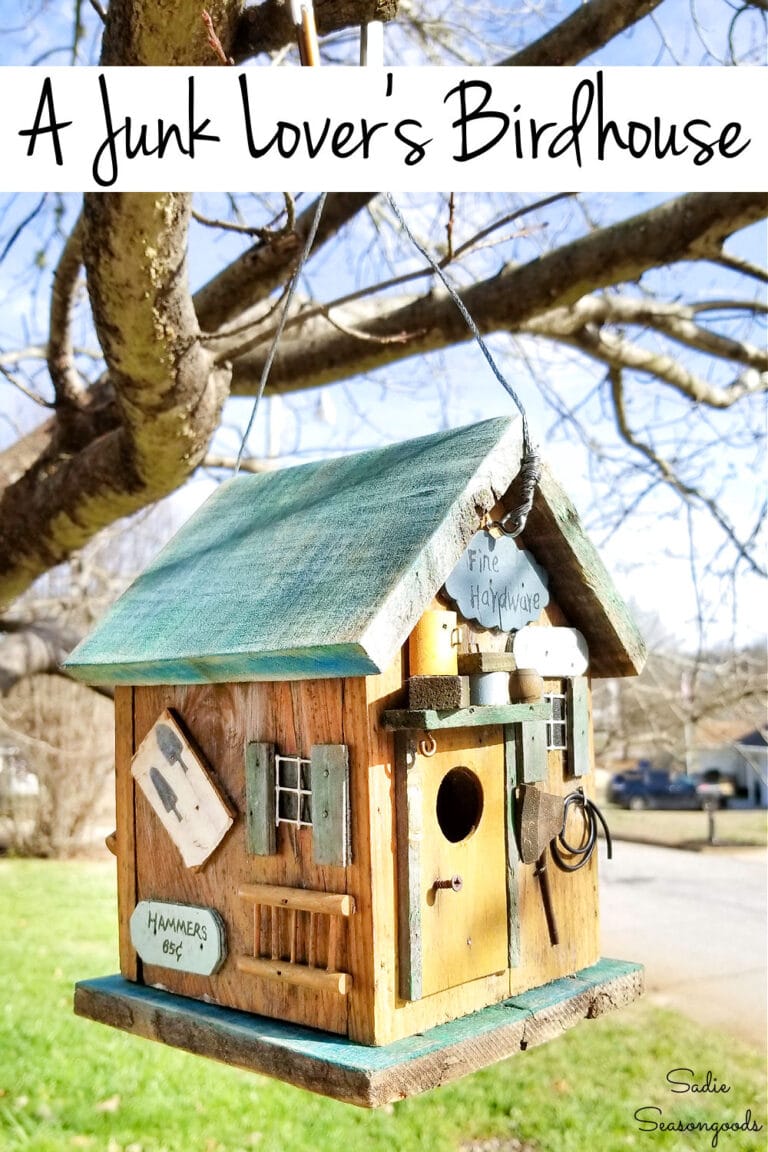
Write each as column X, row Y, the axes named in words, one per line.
column 578, row 726
column 532, row 760
column 260, row 837
column 331, row 835
column 513, row 860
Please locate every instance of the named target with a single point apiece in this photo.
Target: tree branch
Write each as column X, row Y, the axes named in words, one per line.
column 588, row 28
column 620, row 353
column 67, row 385
column 312, row 356
column 690, row 493
column 31, row 647
column 250, row 279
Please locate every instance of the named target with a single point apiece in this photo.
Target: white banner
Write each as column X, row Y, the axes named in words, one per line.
column 416, row 129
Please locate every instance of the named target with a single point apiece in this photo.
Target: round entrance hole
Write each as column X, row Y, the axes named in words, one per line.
column 459, row 804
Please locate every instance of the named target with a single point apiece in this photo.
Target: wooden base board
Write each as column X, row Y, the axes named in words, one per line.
column 333, row 1066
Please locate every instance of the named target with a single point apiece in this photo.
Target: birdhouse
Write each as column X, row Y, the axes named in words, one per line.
column 355, row 821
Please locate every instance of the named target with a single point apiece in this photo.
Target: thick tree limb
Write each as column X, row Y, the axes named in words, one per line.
column 589, row 27
column 678, row 230
column 154, row 33
column 268, row 27
column 168, row 392
column 30, row 647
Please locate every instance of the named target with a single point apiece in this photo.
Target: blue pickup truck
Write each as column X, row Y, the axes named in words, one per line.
column 654, row 788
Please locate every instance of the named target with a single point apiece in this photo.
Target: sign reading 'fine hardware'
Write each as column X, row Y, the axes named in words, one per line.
column 498, row 584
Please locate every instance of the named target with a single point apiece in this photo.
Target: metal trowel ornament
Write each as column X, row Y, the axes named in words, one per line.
column 541, row 819
column 498, row 584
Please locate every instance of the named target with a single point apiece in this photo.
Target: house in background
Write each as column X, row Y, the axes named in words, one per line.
column 743, row 760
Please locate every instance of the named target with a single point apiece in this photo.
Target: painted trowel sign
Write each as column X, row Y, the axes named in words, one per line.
column 498, row 584
column 177, row 784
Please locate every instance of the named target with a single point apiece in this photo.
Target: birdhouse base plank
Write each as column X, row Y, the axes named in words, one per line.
column 368, row 1077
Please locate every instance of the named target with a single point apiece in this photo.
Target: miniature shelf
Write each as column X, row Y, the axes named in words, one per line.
column 429, row 720
column 337, row 1067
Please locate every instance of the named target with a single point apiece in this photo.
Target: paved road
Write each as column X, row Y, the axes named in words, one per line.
column 699, row 923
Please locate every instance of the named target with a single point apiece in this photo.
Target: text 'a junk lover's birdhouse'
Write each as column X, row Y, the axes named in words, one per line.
column 354, row 761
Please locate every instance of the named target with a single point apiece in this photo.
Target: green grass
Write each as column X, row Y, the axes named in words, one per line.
column 67, row 1083
column 747, row 827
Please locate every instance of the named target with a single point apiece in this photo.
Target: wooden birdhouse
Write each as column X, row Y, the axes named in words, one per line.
column 354, row 771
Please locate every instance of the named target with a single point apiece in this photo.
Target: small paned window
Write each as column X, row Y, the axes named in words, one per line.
column 557, row 739
column 293, row 791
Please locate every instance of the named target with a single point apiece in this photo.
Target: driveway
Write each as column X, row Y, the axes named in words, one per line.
column 698, row 921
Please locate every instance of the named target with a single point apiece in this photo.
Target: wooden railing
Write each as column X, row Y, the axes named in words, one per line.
column 295, row 932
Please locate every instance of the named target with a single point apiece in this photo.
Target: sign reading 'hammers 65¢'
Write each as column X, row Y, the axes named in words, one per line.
column 181, row 936
column 498, row 584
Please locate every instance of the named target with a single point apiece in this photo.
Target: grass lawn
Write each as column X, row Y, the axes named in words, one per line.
column 733, row 826
column 67, row 1083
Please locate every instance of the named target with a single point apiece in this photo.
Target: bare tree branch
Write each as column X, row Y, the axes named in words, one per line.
column 67, row 385
column 311, row 356
column 688, row 491
column 588, row 28
column 251, row 278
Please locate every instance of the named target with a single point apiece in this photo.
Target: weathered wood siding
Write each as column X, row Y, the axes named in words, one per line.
column 222, row 720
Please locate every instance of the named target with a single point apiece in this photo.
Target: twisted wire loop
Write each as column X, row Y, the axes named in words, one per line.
column 527, row 479
column 582, row 853
column 530, row 464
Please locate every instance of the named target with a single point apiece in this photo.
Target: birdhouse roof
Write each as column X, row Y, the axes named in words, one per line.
column 324, row 569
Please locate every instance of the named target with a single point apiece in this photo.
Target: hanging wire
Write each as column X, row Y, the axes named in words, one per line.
column 513, row 523
column 281, row 324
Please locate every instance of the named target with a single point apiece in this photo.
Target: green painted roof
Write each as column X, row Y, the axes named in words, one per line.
column 320, row 570
column 315, row 571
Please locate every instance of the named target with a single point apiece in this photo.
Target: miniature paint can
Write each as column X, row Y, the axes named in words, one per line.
column 525, row 686
column 433, row 646
column 489, row 688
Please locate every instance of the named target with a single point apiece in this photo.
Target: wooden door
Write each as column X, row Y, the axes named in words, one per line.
column 455, row 833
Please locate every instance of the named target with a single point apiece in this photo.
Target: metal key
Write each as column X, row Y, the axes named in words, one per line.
column 546, row 897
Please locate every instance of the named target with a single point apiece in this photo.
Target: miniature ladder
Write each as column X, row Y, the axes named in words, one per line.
column 294, row 902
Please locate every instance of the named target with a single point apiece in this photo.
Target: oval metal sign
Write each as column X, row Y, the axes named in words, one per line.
column 498, row 584
column 179, row 936
column 552, row 651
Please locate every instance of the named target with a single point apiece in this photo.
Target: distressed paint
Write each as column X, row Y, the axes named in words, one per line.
column 329, row 774
column 532, row 759
column 409, row 818
column 512, row 857
column 356, row 1073
column 577, row 721
column 260, row 824
column 279, row 545
column 429, row 720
